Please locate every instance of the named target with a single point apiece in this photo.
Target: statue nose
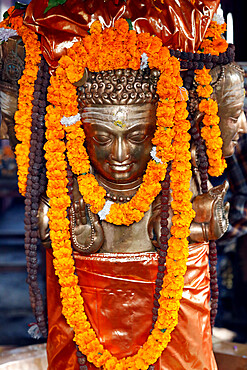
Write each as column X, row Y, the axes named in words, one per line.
column 120, row 150
column 242, row 123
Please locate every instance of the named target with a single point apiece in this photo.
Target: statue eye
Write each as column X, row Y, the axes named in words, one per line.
column 234, row 119
column 137, row 137
column 102, row 139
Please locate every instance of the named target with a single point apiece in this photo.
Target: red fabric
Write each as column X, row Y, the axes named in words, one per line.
column 118, row 293
column 179, row 24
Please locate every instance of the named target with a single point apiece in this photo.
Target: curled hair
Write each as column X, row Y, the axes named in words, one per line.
column 228, row 84
column 119, row 87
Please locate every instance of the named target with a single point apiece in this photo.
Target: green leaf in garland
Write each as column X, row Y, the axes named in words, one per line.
column 19, row 5
column 163, row 330
column 53, row 3
column 5, row 15
column 130, row 23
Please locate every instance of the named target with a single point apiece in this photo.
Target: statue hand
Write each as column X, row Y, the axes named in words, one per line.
column 43, row 222
column 154, row 228
column 211, row 220
column 86, row 232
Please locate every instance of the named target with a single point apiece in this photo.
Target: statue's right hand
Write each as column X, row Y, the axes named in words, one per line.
column 86, row 232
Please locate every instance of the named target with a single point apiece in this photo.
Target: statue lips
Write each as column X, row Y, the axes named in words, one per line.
column 235, row 140
column 236, row 137
column 120, row 166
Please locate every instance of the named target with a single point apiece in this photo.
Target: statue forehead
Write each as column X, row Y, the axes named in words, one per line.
column 121, row 116
column 231, row 97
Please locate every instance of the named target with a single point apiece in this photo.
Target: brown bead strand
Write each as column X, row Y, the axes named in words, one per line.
column 213, row 281
column 35, row 185
column 81, row 358
column 70, row 182
column 165, row 192
column 203, row 170
column 201, row 156
column 193, row 61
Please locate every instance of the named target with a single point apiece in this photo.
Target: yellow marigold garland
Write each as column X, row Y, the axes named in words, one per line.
column 214, row 44
column 23, row 116
column 171, row 125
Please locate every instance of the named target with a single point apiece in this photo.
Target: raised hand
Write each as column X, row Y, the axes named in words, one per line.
column 86, row 232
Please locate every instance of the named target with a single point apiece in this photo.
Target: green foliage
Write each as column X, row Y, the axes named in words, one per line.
column 19, row 5
column 130, row 23
column 5, row 15
column 53, row 3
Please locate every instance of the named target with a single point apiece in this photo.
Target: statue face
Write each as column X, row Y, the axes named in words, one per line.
column 232, row 118
column 231, row 127
column 118, row 139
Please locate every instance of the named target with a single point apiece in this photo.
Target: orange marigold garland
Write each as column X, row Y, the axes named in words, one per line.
column 23, row 116
column 210, row 131
column 214, row 44
column 171, row 125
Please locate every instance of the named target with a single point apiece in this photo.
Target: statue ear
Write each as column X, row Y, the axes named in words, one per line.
column 194, row 108
column 216, row 73
column 83, row 80
column 198, row 119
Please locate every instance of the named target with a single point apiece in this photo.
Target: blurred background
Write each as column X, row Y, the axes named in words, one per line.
column 15, row 311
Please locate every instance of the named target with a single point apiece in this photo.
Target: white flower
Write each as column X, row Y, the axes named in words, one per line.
column 218, row 18
column 183, row 94
column 144, row 61
column 34, row 331
column 68, row 121
column 6, row 33
column 105, row 210
column 153, row 155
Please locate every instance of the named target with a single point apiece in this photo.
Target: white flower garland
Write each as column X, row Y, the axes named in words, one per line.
column 154, row 156
column 144, row 61
column 218, row 19
column 6, row 33
column 69, row 121
column 105, row 210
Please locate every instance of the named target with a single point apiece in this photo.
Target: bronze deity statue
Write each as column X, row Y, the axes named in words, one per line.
column 117, row 265
column 229, row 93
column 118, row 139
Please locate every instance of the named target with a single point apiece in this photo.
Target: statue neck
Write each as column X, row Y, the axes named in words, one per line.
column 119, row 192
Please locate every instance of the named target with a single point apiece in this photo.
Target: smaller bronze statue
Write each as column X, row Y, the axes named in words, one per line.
column 229, row 93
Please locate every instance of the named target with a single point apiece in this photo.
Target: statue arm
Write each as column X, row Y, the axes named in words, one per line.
column 86, row 232
column 43, row 222
column 210, row 222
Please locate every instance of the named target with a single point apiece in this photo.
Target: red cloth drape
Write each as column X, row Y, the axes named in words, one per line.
column 118, row 293
column 179, row 24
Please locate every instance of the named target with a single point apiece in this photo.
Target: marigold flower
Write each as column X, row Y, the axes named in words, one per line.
column 96, row 27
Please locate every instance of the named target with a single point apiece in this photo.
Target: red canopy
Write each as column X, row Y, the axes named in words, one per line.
column 178, row 23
